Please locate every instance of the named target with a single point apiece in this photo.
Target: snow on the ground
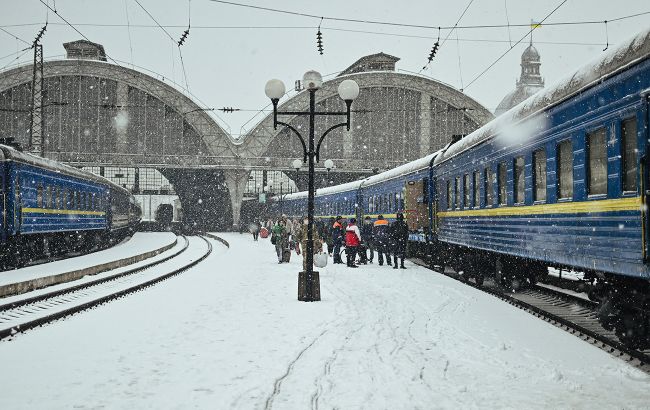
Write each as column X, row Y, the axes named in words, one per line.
column 139, row 243
column 231, row 334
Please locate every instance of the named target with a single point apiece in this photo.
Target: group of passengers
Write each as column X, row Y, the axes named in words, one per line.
column 380, row 236
column 387, row 240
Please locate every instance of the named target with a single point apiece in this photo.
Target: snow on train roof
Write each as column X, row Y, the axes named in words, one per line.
column 629, row 52
column 27, row 158
column 405, row 169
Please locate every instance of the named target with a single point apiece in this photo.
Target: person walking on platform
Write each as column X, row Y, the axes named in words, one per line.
column 337, row 239
column 327, row 234
column 366, row 245
column 296, row 234
column 255, row 229
column 280, row 238
column 318, row 243
column 352, row 242
column 399, row 235
column 381, row 237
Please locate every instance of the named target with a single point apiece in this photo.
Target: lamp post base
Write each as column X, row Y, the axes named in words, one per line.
column 302, row 287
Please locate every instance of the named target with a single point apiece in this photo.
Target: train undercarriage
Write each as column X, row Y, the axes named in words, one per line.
column 22, row 250
column 624, row 302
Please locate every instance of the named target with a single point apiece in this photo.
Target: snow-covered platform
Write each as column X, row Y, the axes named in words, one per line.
column 230, row 334
column 140, row 246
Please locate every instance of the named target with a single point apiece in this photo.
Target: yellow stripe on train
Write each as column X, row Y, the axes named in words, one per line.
column 61, row 211
column 593, row 206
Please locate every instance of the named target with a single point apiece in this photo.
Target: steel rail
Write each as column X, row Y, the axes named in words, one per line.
column 5, row 333
column 637, row 358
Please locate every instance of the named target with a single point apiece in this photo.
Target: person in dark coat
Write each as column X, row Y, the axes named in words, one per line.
column 366, row 245
column 337, row 239
column 399, row 235
column 380, row 234
column 327, row 235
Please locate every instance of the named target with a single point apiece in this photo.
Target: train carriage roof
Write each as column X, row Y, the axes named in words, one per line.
column 628, row 53
column 405, row 169
column 12, row 154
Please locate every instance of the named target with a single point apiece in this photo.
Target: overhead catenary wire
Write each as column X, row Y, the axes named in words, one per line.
column 15, row 36
column 388, row 23
column 535, row 26
column 128, row 30
column 505, row 4
column 437, row 45
column 180, row 53
column 248, row 27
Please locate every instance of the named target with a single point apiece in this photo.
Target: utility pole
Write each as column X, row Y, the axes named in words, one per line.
column 36, row 145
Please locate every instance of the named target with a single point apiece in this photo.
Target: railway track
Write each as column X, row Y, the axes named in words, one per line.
column 572, row 313
column 23, row 314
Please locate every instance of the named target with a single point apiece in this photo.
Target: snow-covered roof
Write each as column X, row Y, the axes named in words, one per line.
column 408, row 168
column 12, row 154
column 629, row 52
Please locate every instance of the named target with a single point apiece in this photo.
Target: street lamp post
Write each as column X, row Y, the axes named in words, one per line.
column 308, row 281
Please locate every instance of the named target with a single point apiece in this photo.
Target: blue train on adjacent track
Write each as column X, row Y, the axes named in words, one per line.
column 560, row 180
column 50, row 208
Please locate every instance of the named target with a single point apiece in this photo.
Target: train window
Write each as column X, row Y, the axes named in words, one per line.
column 597, row 160
column 519, row 180
column 539, row 171
column 425, row 190
column 628, row 153
column 457, row 192
column 39, row 196
column 466, row 192
column 450, row 199
column 564, row 170
column 503, row 196
column 48, row 196
column 477, row 191
column 489, row 187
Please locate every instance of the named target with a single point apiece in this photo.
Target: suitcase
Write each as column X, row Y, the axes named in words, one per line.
column 286, row 255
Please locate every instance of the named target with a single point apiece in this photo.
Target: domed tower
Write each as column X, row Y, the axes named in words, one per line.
column 530, row 81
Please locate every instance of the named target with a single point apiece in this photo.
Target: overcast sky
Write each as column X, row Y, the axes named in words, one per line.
column 228, row 63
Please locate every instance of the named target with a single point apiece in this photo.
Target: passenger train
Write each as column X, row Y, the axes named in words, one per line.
column 48, row 208
column 560, row 180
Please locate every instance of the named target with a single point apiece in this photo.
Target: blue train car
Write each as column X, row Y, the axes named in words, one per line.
column 48, row 207
column 559, row 180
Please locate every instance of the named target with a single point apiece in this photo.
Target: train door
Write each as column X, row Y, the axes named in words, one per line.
column 433, row 206
column 17, row 201
column 3, row 199
column 644, row 172
column 415, row 205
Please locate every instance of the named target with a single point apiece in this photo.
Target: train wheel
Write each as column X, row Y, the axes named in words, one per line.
column 632, row 328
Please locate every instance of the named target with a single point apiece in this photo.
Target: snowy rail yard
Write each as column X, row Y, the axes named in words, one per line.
column 229, row 333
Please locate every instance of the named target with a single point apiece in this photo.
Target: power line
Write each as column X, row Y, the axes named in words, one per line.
column 520, row 40
column 437, row 44
column 156, row 21
column 467, row 27
column 15, row 36
column 387, row 23
column 180, row 53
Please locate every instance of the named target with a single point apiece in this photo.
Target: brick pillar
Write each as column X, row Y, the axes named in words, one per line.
column 121, row 120
column 425, row 124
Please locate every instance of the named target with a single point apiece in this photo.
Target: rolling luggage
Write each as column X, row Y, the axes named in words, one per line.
column 286, row 255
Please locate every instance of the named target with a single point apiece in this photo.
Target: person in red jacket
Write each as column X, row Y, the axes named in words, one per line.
column 352, row 242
